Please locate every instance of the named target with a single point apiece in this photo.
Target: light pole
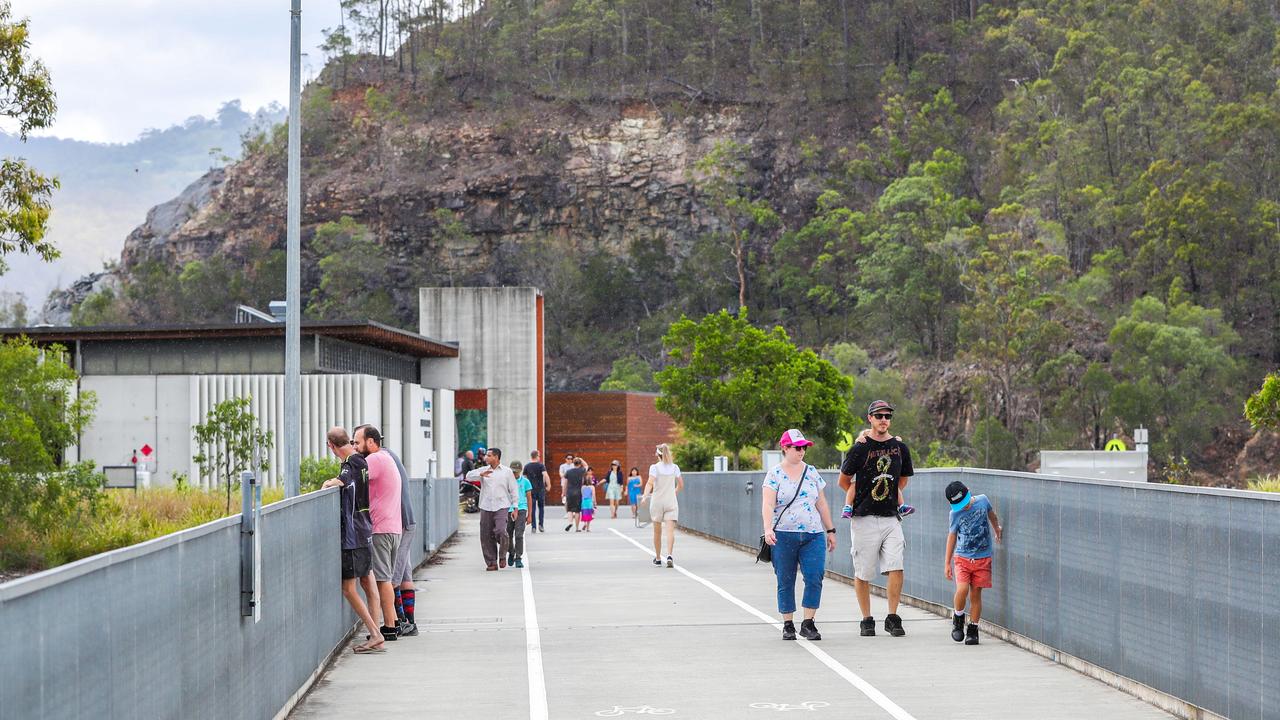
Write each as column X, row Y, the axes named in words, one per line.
column 293, row 259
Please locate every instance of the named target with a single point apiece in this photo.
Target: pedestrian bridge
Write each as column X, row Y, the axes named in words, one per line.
column 1111, row 600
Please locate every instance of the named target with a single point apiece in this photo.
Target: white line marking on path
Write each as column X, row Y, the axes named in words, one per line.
column 533, row 648
column 850, row 676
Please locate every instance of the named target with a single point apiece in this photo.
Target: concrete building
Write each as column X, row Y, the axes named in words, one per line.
column 155, row 384
column 499, row 372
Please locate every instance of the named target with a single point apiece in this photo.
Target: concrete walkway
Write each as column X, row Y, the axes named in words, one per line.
column 615, row 636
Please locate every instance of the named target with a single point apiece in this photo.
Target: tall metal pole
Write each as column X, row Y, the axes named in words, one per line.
column 292, row 320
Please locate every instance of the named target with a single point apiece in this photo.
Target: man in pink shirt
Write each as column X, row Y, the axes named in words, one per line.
column 384, row 509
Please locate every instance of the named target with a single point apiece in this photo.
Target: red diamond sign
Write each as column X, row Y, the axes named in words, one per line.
column 146, row 450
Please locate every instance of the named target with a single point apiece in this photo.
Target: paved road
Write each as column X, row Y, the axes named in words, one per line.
column 607, row 634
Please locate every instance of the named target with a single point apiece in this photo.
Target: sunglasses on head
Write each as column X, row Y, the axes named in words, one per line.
column 882, row 416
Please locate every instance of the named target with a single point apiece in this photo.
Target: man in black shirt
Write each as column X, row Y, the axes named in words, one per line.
column 541, row 482
column 355, row 528
column 877, row 468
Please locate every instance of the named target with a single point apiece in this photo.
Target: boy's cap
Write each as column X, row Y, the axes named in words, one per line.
column 878, row 405
column 957, row 495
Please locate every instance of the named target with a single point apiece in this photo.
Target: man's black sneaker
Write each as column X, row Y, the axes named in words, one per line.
column 957, row 627
column 657, row 561
column 788, row 630
column 893, row 625
column 389, row 633
column 809, row 631
column 971, row 635
column 408, row 630
column 868, row 625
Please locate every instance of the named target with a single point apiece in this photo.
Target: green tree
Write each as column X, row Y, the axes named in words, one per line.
column 630, row 373
column 743, row 212
column 27, row 100
column 1175, row 373
column 40, row 416
column 354, row 272
column 733, row 383
column 910, row 420
column 1263, row 407
column 314, row 471
column 230, row 442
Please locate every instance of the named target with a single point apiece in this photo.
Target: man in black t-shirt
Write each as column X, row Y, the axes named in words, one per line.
column 355, row 528
column 536, row 472
column 877, row 468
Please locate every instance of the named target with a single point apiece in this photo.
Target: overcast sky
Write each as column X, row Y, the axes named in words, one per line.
column 123, row 66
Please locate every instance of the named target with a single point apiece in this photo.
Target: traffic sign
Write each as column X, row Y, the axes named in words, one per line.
column 146, row 450
column 1116, row 445
column 845, row 442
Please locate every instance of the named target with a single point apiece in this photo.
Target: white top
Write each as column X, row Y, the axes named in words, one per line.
column 803, row 515
column 657, row 469
column 498, row 490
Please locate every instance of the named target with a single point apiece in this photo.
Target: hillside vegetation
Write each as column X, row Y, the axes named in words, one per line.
column 1040, row 222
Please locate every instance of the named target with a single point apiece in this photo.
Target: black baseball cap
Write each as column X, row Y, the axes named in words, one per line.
column 957, row 495
column 878, row 405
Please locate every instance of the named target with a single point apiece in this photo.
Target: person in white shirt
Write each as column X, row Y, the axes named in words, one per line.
column 498, row 495
column 565, row 467
column 665, row 482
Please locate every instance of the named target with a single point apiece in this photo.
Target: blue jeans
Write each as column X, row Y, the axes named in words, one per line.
column 808, row 552
column 537, row 513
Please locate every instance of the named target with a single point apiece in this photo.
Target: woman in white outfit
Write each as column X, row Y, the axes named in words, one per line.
column 665, row 481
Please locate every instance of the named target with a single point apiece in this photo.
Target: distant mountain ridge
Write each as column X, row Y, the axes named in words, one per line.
column 107, row 189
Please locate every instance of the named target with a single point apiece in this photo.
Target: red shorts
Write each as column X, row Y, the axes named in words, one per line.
column 975, row 573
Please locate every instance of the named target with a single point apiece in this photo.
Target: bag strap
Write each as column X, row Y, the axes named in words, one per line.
column 799, row 487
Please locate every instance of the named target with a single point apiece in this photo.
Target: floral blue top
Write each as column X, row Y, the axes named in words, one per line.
column 803, row 515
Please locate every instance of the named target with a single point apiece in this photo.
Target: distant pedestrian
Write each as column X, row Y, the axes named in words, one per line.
column 973, row 522
column 384, row 508
column 565, row 467
column 402, row 573
column 877, row 469
column 796, row 519
column 635, row 485
column 355, row 529
column 468, row 463
column 588, row 504
column 515, row 524
column 664, row 484
column 457, row 465
column 540, row 481
column 497, row 496
column 574, row 478
column 614, row 483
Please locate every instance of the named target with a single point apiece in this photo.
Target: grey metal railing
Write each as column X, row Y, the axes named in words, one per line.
column 155, row 630
column 1173, row 587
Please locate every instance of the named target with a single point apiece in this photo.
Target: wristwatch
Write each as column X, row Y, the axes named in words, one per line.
column 831, row 531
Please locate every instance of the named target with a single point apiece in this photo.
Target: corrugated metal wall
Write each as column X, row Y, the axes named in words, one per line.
column 1174, row 587
column 154, row 630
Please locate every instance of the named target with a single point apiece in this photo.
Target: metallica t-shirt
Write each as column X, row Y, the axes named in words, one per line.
column 876, row 467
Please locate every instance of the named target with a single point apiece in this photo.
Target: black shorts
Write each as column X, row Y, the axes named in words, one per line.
column 355, row 563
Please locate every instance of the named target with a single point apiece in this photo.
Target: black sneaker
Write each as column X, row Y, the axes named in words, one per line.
column 957, row 627
column 409, row 630
column 809, row 631
column 893, row 625
column 971, row 635
column 657, row 561
column 868, row 625
column 788, row 630
column 389, row 633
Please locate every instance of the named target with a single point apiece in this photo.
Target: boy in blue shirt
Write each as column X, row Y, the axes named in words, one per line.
column 515, row 525
column 973, row 521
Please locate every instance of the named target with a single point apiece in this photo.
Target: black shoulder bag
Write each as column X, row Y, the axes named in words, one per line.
column 765, row 554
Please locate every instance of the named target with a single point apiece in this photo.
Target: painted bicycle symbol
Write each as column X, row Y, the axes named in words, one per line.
column 783, row 707
column 637, row 710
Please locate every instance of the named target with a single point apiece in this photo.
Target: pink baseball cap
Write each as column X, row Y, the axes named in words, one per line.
column 793, row 437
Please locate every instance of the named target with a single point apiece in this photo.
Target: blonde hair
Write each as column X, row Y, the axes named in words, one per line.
column 663, row 452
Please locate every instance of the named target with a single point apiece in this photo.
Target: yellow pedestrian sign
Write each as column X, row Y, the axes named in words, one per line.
column 845, row 442
column 1116, row 444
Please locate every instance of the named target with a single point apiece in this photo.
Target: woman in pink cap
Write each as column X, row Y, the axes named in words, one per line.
column 796, row 520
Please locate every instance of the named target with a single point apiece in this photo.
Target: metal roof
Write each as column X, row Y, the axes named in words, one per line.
column 369, row 333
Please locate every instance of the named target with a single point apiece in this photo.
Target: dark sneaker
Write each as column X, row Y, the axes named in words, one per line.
column 868, row 626
column 893, row 625
column 971, row 635
column 657, row 561
column 502, row 562
column 809, row 631
column 957, row 627
column 788, row 630
column 518, row 563
column 409, row 630
column 389, row 633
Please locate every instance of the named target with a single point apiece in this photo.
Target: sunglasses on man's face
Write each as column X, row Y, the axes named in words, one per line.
column 882, row 416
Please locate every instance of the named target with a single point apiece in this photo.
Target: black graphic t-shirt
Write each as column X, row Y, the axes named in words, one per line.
column 357, row 526
column 876, row 467
column 534, row 471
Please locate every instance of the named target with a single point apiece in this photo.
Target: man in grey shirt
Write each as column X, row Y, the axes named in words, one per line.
column 498, row 494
